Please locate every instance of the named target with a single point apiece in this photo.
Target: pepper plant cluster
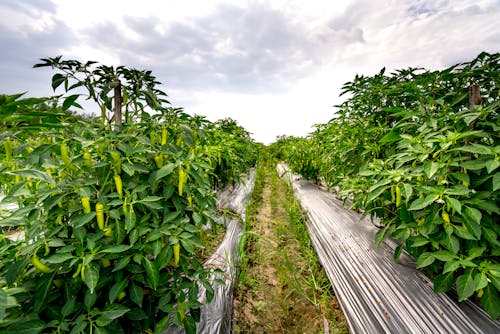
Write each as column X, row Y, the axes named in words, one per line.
column 420, row 150
column 110, row 213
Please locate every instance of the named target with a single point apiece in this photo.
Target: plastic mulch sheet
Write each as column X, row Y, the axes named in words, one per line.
column 216, row 316
column 376, row 294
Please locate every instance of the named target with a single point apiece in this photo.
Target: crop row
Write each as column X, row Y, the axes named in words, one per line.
column 421, row 151
column 111, row 213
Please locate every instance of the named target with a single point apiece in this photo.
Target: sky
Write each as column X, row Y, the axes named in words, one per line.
column 275, row 66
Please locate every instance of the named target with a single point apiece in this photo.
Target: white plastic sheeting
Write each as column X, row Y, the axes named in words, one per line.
column 376, row 294
column 216, row 316
column 5, row 208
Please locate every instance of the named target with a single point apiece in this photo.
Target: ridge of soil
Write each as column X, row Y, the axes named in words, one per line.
column 282, row 291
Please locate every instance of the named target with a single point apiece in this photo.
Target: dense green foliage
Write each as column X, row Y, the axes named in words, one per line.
column 421, row 150
column 112, row 219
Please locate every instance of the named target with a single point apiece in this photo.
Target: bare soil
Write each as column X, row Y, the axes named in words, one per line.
column 279, row 293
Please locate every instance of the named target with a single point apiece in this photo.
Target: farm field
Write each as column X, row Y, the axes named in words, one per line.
column 116, row 214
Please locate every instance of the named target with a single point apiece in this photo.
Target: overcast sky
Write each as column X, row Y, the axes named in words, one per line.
column 275, row 66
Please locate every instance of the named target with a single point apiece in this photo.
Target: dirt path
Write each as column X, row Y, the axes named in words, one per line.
column 283, row 290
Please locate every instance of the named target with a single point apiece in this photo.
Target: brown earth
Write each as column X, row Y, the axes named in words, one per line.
column 284, row 289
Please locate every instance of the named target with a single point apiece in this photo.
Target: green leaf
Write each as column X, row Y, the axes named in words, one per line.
column 430, row 168
column 122, row 263
column 445, row 256
column 70, row 101
column 480, row 280
column 116, row 289
column 476, row 148
column 390, row 137
column 466, row 285
column 451, row 266
column 116, row 249
column 491, row 302
column 136, row 295
column 425, row 259
column 463, row 233
column 162, row 325
column 419, row 241
column 485, row 204
column 137, row 314
column 130, row 220
column 444, row 282
column 397, row 252
column 473, row 164
column 33, row 326
column 42, row 290
column 114, row 311
column 421, row 203
column 152, row 273
column 128, row 168
column 91, row 276
column 80, row 325
column 454, row 204
column 79, row 220
column 100, row 330
column 68, row 307
column 57, row 80
column 491, row 236
column 209, row 293
column 408, row 191
column 495, row 281
column 382, row 234
column 59, row 258
column 475, row 252
column 458, row 190
column 3, row 304
column 496, row 181
column 451, row 242
column 467, row 263
column 162, row 172
column 150, row 199
column 376, row 193
column 153, row 205
column 472, row 220
column 190, row 325
column 32, row 173
column 491, row 165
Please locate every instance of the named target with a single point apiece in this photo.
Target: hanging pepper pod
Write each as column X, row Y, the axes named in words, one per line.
column 124, row 207
column 163, row 136
column 177, row 250
column 159, row 160
column 398, row 196
column 446, row 217
column 99, row 210
column 65, row 154
column 39, row 265
column 8, row 150
column 86, row 204
column 87, row 159
column 119, row 185
column 182, row 180
column 117, row 162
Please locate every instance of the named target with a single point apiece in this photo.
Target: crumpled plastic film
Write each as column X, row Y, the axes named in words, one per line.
column 376, row 294
column 216, row 316
column 237, row 198
column 6, row 207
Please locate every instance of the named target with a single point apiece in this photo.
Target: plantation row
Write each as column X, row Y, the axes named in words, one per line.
column 421, row 151
column 111, row 208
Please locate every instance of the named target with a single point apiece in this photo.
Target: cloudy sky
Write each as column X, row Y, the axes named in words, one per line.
column 275, row 66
